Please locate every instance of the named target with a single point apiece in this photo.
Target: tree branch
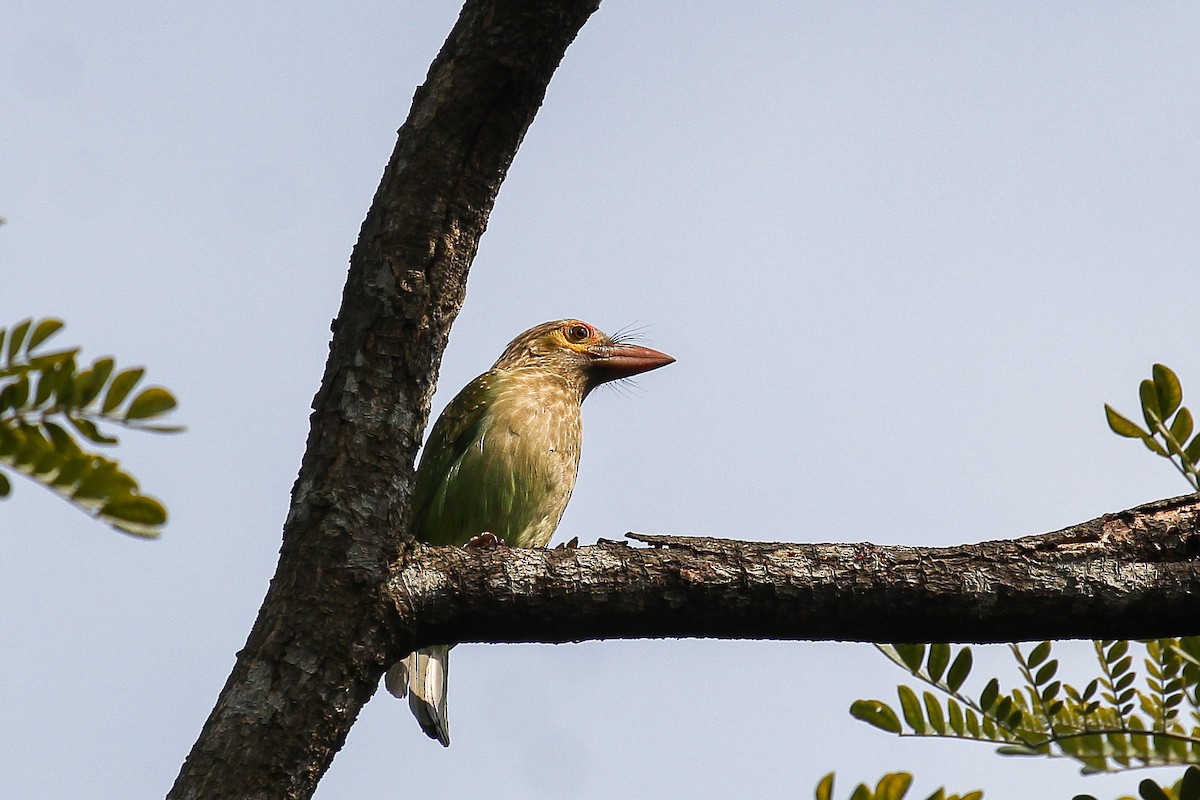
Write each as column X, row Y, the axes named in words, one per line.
column 318, row 647
column 1128, row 575
column 329, row 625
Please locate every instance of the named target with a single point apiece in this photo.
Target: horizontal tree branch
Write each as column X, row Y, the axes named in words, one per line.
column 1132, row 574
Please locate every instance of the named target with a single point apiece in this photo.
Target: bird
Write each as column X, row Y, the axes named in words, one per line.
column 500, row 464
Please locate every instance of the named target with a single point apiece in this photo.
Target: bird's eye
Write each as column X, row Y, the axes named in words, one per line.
column 578, row 333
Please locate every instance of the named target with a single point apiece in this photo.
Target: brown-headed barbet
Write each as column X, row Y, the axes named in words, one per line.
column 501, row 462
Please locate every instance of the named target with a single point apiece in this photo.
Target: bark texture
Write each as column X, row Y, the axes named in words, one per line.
column 1128, row 575
column 350, row 595
column 319, row 645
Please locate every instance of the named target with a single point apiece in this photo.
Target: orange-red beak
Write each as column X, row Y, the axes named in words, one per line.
column 610, row 362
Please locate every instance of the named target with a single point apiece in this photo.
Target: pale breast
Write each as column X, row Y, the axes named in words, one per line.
column 535, row 423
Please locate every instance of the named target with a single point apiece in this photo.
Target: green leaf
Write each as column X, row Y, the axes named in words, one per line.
column 990, row 694
column 972, row 722
column 1122, row 426
column 9, row 439
column 911, row 708
column 1167, row 390
column 1004, row 709
column 43, row 331
column 45, row 387
column 911, row 654
column 102, row 369
column 939, row 657
column 1141, row 746
column 1154, row 447
column 1047, row 672
column 31, row 447
column 1192, row 451
column 1149, row 790
column 1189, row 647
column 1150, row 408
column 71, row 470
column 893, row 786
column 120, row 388
column 103, row 482
column 960, row 669
column 17, row 338
column 825, row 788
column 47, row 461
column 957, row 723
column 64, row 383
column 150, row 403
column 1038, row 654
column 5, row 486
column 51, row 360
column 876, row 713
column 1182, row 427
column 61, row 440
column 135, row 514
column 162, row 428
column 89, row 431
column 1017, row 750
column 17, row 393
column 89, row 382
column 1189, row 787
column 933, row 711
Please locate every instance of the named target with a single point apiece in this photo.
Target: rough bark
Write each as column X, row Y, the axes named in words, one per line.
column 349, row 596
column 319, row 645
column 1128, row 575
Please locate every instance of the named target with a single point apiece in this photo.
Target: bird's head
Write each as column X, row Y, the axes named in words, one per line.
column 580, row 353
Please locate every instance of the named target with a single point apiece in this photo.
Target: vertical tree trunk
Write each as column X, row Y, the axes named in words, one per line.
column 318, row 647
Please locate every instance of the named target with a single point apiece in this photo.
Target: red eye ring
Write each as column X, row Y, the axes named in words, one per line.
column 577, row 333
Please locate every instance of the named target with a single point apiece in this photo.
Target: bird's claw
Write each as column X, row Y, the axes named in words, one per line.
column 486, row 541
column 571, row 545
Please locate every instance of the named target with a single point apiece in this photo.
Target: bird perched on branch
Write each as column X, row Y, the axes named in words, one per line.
column 501, row 461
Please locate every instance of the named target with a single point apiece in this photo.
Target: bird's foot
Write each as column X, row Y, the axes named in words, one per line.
column 571, row 545
column 486, row 541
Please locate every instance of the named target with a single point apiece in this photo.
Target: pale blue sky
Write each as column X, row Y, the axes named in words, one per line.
column 903, row 253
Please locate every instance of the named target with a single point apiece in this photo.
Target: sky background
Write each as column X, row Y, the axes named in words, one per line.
column 902, row 252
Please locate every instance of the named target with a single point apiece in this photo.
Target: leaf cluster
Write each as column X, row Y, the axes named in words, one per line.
column 1186, row 788
column 1118, row 721
column 892, row 786
column 1169, row 423
column 50, row 415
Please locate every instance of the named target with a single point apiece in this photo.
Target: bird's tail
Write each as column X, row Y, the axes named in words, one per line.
column 422, row 676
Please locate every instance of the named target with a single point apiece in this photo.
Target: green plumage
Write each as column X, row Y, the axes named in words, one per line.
column 502, row 459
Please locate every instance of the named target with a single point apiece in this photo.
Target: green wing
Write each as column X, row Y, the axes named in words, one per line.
column 489, row 465
column 456, row 432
